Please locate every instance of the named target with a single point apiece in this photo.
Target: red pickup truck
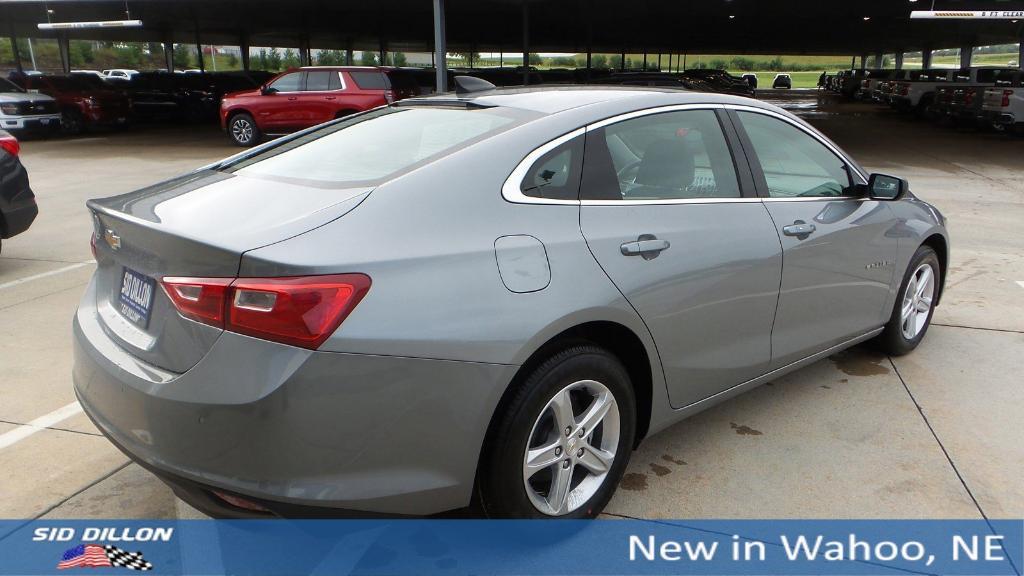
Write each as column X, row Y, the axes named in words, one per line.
column 304, row 97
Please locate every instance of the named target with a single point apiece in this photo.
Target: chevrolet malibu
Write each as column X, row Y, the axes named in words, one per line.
column 483, row 299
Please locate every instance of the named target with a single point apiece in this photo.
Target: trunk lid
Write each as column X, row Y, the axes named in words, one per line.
column 198, row 225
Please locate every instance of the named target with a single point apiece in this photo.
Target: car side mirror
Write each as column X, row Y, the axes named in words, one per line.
column 268, row 90
column 885, row 187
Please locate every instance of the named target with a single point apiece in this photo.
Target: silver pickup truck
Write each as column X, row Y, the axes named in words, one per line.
column 1003, row 104
column 917, row 92
column 22, row 111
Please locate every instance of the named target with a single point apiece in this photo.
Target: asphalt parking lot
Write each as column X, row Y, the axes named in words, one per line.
column 935, row 434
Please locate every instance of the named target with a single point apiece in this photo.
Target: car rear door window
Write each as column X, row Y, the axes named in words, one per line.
column 291, row 82
column 370, row 80
column 667, row 156
column 794, row 164
column 335, row 81
column 556, row 174
column 318, row 81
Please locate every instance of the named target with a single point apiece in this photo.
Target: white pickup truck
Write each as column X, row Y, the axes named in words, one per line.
column 1003, row 104
column 918, row 90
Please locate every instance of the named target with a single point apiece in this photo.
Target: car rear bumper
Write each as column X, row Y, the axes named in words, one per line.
column 998, row 118
column 293, row 430
column 107, row 116
column 18, row 219
column 44, row 122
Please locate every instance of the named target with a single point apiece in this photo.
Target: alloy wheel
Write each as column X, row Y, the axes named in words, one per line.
column 571, row 447
column 917, row 301
column 241, row 130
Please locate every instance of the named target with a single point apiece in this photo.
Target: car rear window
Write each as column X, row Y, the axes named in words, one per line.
column 375, row 146
column 370, row 80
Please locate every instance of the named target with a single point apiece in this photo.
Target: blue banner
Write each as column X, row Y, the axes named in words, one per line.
column 455, row 547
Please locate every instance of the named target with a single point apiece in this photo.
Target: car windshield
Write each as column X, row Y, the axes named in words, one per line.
column 8, row 86
column 377, row 145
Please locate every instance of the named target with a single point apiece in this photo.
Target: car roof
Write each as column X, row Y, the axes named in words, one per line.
column 560, row 98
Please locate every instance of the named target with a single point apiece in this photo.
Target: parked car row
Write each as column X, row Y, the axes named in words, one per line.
column 253, row 104
column 304, row 97
column 982, row 97
column 84, row 99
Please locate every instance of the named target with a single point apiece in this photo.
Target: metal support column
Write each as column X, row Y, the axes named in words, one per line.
column 348, row 52
column 526, row 43
column 926, row 58
column 16, row 53
column 440, row 48
column 64, row 47
column 382, row 52
column 966, row 53
column 899, row 60
column 622, row 61
column 1020, row 54
column 879, row 57
column 243, row 49
column 199, row 51
column 863, row 61
column 305, row 54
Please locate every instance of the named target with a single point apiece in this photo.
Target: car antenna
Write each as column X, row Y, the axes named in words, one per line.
column 471, row 84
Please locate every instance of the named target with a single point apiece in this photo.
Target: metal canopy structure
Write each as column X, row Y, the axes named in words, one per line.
column 610, row 26
column 826, row 27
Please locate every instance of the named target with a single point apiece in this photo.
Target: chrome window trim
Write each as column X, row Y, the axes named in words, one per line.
column 511, row 189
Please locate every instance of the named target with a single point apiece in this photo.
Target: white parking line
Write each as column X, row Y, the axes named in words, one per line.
column 13, row 283
column 25, row 430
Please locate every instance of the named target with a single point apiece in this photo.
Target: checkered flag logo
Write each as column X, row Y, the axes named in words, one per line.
column 96, row 556
column 124, row 559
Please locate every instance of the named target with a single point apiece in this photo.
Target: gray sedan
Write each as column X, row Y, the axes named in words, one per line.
column 483, row 299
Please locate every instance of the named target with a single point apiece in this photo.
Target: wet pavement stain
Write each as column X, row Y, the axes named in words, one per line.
column 744, row 430
column 826, row 387
column 634, row 482
column 659, row 470
column 844, row 380
column 857, row 362
column 672, row 459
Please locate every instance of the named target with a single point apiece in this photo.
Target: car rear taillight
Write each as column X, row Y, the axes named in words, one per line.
column 389, row 95
column 199, row 299
column 10, row 145
column 300, row 311
column 1006, row 98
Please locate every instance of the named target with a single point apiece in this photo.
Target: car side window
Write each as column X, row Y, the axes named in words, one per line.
column 794, row 163
column 556, row 174
column 318, row 81
column 335, row 81
column 666, row 156
column 288, row 83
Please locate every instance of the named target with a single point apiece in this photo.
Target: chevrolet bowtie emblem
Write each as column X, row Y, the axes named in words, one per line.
column 112, row 239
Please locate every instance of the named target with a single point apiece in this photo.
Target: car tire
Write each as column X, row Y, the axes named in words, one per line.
column 909, row 320
column 243, row 131
column 574, row 477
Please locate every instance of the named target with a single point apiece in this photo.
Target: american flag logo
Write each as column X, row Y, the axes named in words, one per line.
column 97, row 556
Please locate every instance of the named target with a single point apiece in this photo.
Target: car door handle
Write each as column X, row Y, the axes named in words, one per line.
column 331, row 97
column 647, row 246
column 293, row 98
column 800, row 229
